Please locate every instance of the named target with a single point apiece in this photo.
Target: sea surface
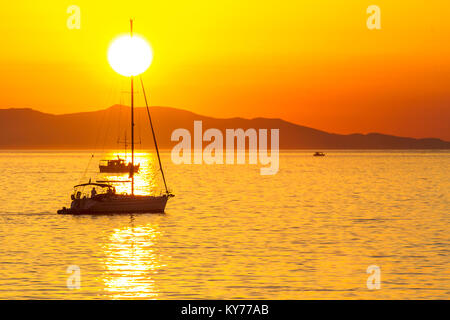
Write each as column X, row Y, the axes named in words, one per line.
column 308, row 232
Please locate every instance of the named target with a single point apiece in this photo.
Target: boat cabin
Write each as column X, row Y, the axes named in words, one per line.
column 116, row 166
column 92, row 190
column 112, row 163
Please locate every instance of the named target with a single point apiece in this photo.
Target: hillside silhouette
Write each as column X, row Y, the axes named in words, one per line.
column 31, row 129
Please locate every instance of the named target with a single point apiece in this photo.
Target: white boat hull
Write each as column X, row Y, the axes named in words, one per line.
column 118, row 204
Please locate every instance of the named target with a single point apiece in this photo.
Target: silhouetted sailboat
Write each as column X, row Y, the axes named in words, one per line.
column 103, row 199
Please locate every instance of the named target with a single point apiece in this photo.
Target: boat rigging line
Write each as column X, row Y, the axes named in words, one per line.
column 154, row 136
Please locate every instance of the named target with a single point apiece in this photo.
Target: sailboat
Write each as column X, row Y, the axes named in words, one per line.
column 102, row 197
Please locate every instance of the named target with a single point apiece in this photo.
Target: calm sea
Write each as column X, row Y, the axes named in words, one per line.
column 308, row 232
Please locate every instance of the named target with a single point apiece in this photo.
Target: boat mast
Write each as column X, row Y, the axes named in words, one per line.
column 132, row 124
column 126, row 145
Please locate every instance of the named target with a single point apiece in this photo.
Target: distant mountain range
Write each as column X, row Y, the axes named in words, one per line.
column 30, row 129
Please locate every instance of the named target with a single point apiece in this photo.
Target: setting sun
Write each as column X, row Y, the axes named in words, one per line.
column 130, row 55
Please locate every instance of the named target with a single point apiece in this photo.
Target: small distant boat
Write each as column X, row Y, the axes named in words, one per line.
column 117, row 166
column 319, row 154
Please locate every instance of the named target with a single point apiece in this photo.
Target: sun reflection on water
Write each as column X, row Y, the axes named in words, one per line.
column 146, row 181
column 131, row 263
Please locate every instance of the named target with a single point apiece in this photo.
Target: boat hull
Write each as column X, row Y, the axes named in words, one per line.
column 117, row 169
column 118, row 204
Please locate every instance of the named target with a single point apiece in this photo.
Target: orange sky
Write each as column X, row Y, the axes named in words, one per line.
column 311, row 62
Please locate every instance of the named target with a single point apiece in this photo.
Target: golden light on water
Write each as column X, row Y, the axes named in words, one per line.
column 322, row 231
column 130, row 55
column 131, row 262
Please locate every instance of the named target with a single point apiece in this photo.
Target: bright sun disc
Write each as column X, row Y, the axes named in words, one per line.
column 130, row 55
